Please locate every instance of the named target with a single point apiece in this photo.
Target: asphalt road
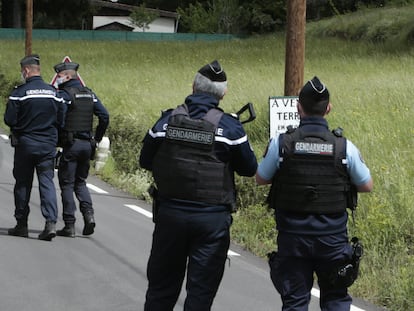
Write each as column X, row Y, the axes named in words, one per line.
column 107, row 271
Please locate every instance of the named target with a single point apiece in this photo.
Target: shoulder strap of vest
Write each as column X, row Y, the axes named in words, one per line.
column 340, row 142
column 181, row 109
column 289, row 134
column 340, row 147
column 72, row 91
column 213, row 115
column 280, row 138
column 321, row 135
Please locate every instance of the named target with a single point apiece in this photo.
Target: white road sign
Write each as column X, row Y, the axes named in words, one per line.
column 283, row 112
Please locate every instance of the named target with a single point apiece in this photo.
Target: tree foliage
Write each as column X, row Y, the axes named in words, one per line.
column 219, row 16
column 141, row 17
column 62, row 14
column 226, row 16
column 56, row 14
column 207, row 16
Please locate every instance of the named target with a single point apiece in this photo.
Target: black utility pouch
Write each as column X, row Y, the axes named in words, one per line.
column 353, row 198
column 58, row 157
column 153, row 192
column 347, row 273
column 93, row 149
column 14, row 140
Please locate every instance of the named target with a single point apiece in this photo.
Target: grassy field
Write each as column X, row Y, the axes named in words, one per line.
column 372, row 95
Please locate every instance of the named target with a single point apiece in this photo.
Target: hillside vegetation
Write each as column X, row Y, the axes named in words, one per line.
column 392, row 27
column 371, row 86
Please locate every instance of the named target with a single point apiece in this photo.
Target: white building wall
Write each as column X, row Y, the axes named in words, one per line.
column 160, row 24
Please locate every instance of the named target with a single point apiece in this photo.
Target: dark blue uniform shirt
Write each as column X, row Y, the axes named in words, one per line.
column 28, row 111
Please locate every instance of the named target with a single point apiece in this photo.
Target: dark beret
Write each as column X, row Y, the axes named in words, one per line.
column 314, row 92
column 214, row 72
column 32, row 59
column 66, row 66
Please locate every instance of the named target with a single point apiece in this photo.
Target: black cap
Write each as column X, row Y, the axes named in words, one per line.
column 214, row 72
column 66, row 66
column 32, row 59
column 314, row 96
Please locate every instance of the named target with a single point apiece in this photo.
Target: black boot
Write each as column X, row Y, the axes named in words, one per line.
column 89, row 220
column 19, row 230
column 49, row 232
column 68, row 230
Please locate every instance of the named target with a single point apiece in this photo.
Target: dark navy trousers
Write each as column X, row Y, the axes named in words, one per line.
column 73, row 173
column 298, row 258
column 184, row 240
column 30, row 155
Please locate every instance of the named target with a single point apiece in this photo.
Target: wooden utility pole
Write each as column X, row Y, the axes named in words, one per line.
column 295, row 46
column 29, row 27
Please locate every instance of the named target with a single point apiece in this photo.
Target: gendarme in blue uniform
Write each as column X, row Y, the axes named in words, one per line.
column 191, row 237
column 77, row 149
column 314, row 224
column 315, row 240
column 34, row 114
column 99, row 111
column 231, row 145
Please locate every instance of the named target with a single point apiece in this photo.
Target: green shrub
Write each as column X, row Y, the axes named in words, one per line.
column 254, row 228
column 126, row 134
column 6, row 86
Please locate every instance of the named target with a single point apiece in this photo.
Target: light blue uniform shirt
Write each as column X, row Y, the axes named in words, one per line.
column 356, row 167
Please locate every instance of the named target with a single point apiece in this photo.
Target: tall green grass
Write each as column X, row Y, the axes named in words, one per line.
column 372, row 96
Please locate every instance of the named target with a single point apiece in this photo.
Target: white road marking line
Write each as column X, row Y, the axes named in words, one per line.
column 96, row 189
column 5, row 137
column 316, row 292
column 149, row 215
column 139, row 210
column 231, row 253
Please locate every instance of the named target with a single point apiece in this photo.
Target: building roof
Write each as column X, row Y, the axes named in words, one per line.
column 115, row 26
column 129, row 8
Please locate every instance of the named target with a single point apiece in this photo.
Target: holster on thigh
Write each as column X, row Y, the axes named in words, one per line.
column 345, row 273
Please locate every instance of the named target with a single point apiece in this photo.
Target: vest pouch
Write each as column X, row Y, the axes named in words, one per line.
column 14, row 140
column 352, row 198
column 93, row 148
column 192, row 178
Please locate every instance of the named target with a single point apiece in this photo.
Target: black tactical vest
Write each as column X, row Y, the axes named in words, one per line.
column 185, row 166
column 79, row 117
column 312, row 177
